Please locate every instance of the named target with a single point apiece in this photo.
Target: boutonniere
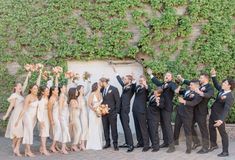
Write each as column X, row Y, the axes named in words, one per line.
column 203, row 89
column 109, row 91
column 191, row 95
column 165, row 85
column 223, row 97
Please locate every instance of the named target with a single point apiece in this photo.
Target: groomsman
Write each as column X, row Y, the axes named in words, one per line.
column 156, row 101
column 112, row 99
column 139, row 113
column 206, row 91
column 128, row 90
column 219, row 111
column 169, row 89
column 185, row 111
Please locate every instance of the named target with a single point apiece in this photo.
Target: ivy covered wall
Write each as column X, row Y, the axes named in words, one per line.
column 182, row 36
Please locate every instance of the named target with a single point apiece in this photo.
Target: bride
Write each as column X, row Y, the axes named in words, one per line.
column 95, row 131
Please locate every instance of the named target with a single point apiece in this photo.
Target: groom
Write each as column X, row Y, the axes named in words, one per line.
column 112, row 99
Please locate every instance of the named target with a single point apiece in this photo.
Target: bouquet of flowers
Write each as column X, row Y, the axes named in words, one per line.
column 69, row 74
column 30, row 67
column 46, row 75
column 38, row 66
column 102, row 110
column 86, row 76
column 57, row 70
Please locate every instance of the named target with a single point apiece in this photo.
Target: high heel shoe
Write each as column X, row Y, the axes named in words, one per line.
column 64, row 151
column 74, row 148
column 17, row 154
column 53, row 150
column 45, row 152
column 29, row 154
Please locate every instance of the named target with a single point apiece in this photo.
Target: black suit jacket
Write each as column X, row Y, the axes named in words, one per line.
column 168, row 92
column 141, row 97
column 192, row 100
column 112, row 99
column 222, row 104
column 127, row 93
column 208, row 91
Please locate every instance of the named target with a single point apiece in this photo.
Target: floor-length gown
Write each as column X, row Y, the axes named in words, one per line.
column 64, row 122
column 29, row 122
column 56, row 128
column 42, row 115
column 12, row 131
column 84, row 117
column 95, row 132
column 77, row 130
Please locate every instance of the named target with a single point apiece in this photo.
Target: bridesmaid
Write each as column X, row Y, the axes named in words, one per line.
column 64, row 118
column 75, row 112
column 29, row 115
column 16, row 104
column 53, row 113
column 84, row 115
column 42, row 115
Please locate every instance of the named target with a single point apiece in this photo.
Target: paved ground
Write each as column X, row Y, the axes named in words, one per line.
column 137, row 154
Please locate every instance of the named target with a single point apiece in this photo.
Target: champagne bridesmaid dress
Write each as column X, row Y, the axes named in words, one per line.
column 29, row 122
column 12, row 131
column 64, row 121
column 56, row 128
column 84, row 117
column 42, row 115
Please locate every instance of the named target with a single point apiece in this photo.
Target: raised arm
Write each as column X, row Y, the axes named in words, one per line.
column 216, row 84
column 39, row 77
column 88, row 86
column 57, row 80
column 120, row 80
column 153, row 78
column 26, row 82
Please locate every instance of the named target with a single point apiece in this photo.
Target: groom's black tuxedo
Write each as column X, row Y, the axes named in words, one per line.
column 112, row 99
column 127, row 93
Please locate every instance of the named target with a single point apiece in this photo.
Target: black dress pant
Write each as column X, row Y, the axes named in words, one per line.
column 153, row 119
column 166, row 127
column 124, row 117
column 141, row 129
column 110, row 120
column 201, row 120
column 185, row 120
column 223, row 134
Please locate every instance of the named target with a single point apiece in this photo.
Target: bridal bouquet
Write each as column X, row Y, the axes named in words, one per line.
column 30, row 67
column 57, row 70
column 46, row 75
column 102, row 110
column 38, row 66
column 69, row 75
column 86, row 76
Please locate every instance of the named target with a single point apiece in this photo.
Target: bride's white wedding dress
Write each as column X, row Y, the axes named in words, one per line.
column 95, row 131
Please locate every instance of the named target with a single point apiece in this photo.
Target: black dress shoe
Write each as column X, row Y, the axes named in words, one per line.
column 124, row 145
column 106, row 146
column 171, row 149
column 203, row 151
column 188, row 151
column 145, row 149
column 155, row 150
column 213, row 148
column 223, row 154
column 164, row 145
column 130, row 149
column 115, row 147
column 139, row 145
column 195, row 145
